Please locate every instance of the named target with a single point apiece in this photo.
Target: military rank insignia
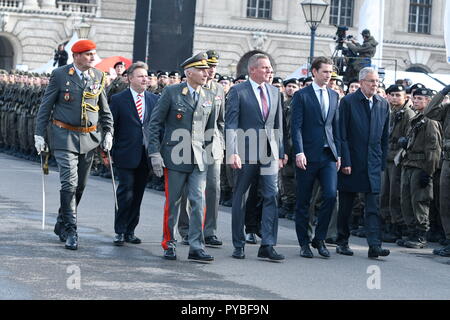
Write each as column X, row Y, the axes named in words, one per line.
column 71, row 71
column 184, row 91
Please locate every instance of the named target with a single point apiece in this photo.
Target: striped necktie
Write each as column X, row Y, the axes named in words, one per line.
column 265, row 105
column 139, row 106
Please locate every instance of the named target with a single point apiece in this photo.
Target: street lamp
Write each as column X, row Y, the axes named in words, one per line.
column 314, row 11
column 82, row 29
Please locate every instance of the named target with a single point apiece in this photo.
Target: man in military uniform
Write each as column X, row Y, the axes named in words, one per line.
column 119, row 83
column 401, row 114
column 75, row 103
column 174, row 77
column 163, row 81
column 288, row 184
column 3, row 86
column 439, row 111
column 212, row 195
column 185, row 111
column 422, row 146
column 152, row 82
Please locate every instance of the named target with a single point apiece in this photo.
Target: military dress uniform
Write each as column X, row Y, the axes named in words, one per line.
column 75, row 108
column 422, row 156
column 183, row 151
column 216, row 154
column 390, row 191
column 438, row 111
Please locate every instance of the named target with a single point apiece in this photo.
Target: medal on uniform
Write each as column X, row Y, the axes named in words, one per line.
column 179, row 116
column 66, row 96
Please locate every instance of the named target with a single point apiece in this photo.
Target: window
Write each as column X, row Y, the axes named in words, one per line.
column 261, row 9
column 341, row 12
column 419, row 16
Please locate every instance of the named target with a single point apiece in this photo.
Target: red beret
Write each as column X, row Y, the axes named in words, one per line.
column 83, row 46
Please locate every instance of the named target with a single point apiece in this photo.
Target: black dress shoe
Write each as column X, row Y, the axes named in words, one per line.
column 321, row 248
column 119, row 239
column 270, row 253
column 238, row 253
column 305, row 251
column 251, row 238
column 131, row 238
column 170, row 254
column 377, row 251
column 344, row 250
column 185, row 241
column 213, row 241
column 72, row 241
column 200, row 255
column 330, row 240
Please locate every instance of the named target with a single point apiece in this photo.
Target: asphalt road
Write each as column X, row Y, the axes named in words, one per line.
column 35, row 265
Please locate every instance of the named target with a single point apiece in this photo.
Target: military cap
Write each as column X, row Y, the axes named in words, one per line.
column 183, row 76
column 83, row 46
column 213, row 57
column 162, row 73
column 217, row 76
column 292, row 80
column 366, row 32
column 226, row 78
column 395, row 88
column 277, row 80
column 119, row 63
column 382, row 86
column 174, row 74
column 3, row 71
column 423, row 92
column 414, row 87
column 151, row 73
column 308, row 79
column 339, row 82
column 241, row 77
column 334, row 75
column 199, row 61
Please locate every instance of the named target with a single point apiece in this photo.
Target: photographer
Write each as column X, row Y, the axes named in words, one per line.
column 61, row 56
column 366, row 50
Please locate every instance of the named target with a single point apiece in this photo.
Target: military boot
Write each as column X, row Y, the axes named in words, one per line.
column 59, row 229
column 69, row 214
column 418, row 240
column 443, row 252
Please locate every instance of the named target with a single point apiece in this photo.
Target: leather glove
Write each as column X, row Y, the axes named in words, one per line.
column 39, row 144
column 157, row 164
column 424, row 179
column 403, row 142
column 446, row 90
column 107, row 142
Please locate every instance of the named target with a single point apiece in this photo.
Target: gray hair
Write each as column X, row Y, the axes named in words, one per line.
column 253, row 61
column 365, row 71
column 136, row 65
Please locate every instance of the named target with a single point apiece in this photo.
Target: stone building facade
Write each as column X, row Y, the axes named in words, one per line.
column 30, row 30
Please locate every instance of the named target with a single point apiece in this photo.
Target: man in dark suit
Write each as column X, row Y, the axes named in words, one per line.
column 255, row 149
column 315, row 137
column 364, row 127
column 131, row 111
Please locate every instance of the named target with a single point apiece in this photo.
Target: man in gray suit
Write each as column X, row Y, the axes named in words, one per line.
column 186, row 113
column 255, row 150
column 75, row 102
column 212, row 195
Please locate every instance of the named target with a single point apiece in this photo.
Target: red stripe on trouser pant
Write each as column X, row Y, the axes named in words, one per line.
column 166, row 229
column 204, row 214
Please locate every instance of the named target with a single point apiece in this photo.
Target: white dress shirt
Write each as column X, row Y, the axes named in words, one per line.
column 255, row 88
column 135, row 97
column 326, row 98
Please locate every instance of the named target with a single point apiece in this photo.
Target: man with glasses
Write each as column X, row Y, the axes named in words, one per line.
column 364, row 128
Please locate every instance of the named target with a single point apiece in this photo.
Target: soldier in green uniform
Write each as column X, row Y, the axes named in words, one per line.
column 288, row 184
column 439, row 111
column 75, row 103
column 119, row 83
column 422, row 154
column 401, row 114
column 186, row 112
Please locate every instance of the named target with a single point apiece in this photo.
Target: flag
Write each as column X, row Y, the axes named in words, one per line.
column 447, row 29
column 371, row 17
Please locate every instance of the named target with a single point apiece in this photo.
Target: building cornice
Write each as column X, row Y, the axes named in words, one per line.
column 318, row 35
